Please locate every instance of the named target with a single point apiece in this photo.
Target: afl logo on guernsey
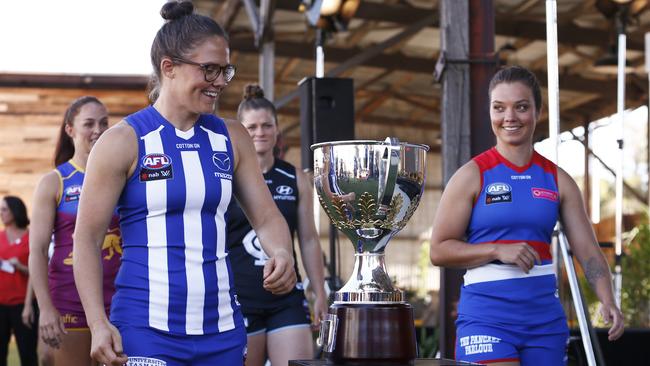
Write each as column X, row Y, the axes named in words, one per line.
column 156, row 166
column 72, row 193
column 498, row 192
column 156, row 161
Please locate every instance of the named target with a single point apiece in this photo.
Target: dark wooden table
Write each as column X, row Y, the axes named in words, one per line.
column 418, row 362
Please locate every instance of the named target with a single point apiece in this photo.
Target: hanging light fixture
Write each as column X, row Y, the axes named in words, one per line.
column 619, row 12
column 608, row 63
column 329, row 15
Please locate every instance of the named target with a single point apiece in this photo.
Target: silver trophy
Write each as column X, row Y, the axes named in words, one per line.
column 369, row 190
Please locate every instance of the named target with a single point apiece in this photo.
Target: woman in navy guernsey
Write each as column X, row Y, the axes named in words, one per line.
column 62, row 323
column 496, row 218
column 171, row 169
column 278, row 326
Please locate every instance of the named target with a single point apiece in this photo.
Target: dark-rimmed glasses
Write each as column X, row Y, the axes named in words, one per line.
column 212, row 71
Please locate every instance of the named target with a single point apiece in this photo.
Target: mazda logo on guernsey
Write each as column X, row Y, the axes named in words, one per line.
column 156, row 161
column 284, row 190
column 221, row 160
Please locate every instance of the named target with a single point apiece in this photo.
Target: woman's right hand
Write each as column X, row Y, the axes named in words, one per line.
column 106, row 347
column 51, row 326
column 521, row 254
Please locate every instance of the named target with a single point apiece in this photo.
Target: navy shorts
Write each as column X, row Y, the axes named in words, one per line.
column 152, row 347
column 295, row 313
column 483, row 342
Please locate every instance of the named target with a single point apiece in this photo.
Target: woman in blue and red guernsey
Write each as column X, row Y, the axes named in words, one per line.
column 496, row 218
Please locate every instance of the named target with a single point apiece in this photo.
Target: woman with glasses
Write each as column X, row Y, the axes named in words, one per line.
column 172, row 169
column 278, row 326
column 62, row 324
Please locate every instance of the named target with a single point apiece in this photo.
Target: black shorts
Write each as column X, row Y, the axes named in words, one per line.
column 294, row 313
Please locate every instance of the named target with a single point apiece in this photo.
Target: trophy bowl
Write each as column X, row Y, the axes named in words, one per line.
column 369, row 190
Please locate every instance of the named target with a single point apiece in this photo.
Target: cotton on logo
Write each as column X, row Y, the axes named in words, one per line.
column 156, row 161
column 498, row 188
column 284, row 190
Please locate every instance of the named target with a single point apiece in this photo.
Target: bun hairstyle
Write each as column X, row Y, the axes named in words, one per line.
column 182, row 32
column 252, row 91
column 254, row 99
column 174, row 9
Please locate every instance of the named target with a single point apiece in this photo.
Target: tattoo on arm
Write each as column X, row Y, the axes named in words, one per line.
column 594, row 270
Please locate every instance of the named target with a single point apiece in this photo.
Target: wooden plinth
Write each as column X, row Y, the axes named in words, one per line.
column 417, row 362
column 377, row 334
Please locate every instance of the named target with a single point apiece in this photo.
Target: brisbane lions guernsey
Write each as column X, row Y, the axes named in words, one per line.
column 515, row 204
column 244, row 247
column 61, row 279
column 175, row 275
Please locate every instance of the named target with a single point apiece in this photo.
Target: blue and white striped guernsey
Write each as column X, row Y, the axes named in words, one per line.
column 175, row 274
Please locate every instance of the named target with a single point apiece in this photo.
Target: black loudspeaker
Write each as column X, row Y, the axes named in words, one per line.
column 326, row 113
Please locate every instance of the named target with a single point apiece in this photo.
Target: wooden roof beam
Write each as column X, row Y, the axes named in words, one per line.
column 505, row 26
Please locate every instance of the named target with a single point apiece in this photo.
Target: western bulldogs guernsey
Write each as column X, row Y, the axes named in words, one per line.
column 61, row 280
column 516, row 204
column 175, row 275
column 244, row 247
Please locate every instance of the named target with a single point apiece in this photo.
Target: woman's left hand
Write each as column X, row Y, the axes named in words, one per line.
column 28, row 316
column 279, row 275
column 612, row 315
column 320, row 310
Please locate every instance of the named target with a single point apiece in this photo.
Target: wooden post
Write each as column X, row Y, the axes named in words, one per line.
column 467, row 36
column 454, row 31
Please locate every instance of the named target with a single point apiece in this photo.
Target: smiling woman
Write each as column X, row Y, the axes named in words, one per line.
column 277, row 325
column 172, row 169
column 500, row 210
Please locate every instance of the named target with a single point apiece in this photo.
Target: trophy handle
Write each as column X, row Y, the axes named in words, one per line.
column 387, row 183
column 327, row 336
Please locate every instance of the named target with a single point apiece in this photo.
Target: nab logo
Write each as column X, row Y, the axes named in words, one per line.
column 284, row 190
column 221, row 160
column 498, row 188
column 156, row 161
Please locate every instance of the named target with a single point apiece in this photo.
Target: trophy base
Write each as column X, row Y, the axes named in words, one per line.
column 377, row 334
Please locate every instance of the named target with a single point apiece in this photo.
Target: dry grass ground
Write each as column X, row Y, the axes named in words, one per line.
column 13, row 359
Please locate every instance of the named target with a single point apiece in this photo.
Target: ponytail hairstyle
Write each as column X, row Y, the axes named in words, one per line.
column 64, row 146
column 182, row 32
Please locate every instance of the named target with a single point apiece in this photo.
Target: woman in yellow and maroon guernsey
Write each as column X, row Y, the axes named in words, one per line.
column 62, row 321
